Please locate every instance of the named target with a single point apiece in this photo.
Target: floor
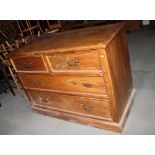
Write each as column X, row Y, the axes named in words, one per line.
column 16, row 116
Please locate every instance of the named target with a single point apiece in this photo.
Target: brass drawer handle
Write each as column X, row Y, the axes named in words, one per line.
column 87, row 85
column 76, row 62
column 86, row 107
column 36, row 82
column 45, row 100
column 27, row 65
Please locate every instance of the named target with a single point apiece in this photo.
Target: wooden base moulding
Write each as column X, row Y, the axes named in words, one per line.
column 112, row 126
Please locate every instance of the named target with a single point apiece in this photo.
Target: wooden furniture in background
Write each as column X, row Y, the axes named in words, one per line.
column 132, row 25
column 55, row 25
column 8, row 69
column 26, row 27
column 8, row 31
column 5, row 81
column 82, row 75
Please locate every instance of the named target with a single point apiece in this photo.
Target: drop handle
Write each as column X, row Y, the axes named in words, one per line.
column 88, row 85
column 45, row 100
column 86, row 107
column 27, row 65
column 76, row 62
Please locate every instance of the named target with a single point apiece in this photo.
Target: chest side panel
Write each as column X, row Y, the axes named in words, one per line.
column 119, row 65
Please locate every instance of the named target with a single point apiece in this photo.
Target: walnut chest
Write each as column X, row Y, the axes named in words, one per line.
column 82, row 75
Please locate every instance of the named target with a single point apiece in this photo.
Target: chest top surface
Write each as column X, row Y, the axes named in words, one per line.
column 81, row 39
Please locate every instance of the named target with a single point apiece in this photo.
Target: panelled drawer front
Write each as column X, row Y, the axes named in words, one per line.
column 72, row 63
column 29, row 64
column 91, row 85
column 73, row 104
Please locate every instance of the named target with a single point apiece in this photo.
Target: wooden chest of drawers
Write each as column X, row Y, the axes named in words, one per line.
column 82, row 75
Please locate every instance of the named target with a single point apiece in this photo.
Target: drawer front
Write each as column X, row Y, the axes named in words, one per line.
column 75, row 63
column 29, row 64
column 73, row 104
column 69, row 84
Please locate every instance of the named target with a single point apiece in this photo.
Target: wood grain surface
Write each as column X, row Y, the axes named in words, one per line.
column 82, row 76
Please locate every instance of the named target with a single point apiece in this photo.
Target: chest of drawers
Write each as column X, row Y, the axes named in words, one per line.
column 81, row 76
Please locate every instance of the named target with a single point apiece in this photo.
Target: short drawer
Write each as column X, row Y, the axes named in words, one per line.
column 75, row 63
column 29, row 64
column 65, row 84
column 78, row 105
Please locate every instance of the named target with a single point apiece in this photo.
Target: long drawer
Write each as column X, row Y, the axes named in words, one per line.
column 73, row 104
column 64, row 84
